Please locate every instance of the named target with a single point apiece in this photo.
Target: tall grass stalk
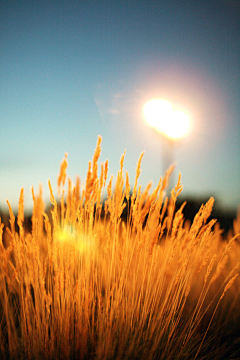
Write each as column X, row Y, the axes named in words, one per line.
column 87, row 283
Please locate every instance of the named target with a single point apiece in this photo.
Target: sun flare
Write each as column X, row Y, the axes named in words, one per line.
column 177, row 125
column 159, row 114
column 156, row 112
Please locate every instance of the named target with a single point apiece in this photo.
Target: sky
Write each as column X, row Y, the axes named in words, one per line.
column 73, row 70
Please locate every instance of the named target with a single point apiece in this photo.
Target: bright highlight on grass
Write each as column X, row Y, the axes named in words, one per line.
column 88, row 282
column 160, row 115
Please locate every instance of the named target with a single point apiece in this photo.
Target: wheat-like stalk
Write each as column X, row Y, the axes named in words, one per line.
column 86, row 282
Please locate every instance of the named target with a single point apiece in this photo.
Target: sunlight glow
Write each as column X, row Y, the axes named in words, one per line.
column 156, row 112
column 177, row 125
column 160, row 115
column 68, row 235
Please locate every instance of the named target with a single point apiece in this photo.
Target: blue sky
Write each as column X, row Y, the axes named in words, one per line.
column 71, row 70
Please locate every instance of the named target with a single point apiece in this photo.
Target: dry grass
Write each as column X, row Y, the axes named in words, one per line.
column 85, row 284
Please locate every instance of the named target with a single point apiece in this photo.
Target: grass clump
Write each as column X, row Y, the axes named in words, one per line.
column 86, row 283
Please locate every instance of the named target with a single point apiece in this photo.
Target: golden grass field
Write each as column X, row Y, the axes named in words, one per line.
column 84, row 283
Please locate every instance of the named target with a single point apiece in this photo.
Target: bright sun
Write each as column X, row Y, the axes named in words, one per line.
column 160, row 115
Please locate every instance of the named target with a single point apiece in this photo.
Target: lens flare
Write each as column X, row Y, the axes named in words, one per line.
column 68, row 235
column 177, row 125
column 159, row 114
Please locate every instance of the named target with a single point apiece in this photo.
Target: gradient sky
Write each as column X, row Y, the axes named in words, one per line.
column 71, row 70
